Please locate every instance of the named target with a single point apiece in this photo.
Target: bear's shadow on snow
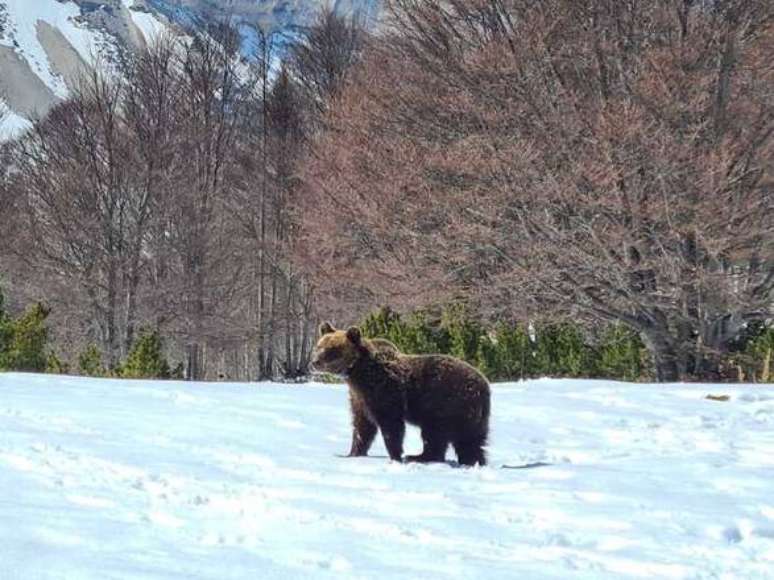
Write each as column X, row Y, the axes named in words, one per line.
column 526, row 465
column 451, row 463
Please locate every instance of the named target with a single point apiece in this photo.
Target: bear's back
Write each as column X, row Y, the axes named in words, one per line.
column 443, row 387
column 431, row 371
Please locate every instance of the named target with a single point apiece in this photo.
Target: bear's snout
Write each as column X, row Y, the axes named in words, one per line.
column 318, row 360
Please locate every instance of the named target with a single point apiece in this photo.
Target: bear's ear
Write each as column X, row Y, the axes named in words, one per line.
column 353, row 334
column 326, row 328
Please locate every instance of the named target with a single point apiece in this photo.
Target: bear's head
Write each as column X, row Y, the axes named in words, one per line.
column 337, row 351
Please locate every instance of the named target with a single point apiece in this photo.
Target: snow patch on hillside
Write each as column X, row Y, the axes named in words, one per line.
column 130, row 479
column 148, row 24
column 22, row 34
column 11, row 124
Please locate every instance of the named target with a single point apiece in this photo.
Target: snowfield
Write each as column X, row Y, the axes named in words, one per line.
column 105, row 479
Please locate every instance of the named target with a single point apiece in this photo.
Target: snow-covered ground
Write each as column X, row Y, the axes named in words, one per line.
column 121, row 479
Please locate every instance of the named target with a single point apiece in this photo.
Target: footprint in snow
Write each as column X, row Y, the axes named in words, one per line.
column 91, row 501
column 732, row 534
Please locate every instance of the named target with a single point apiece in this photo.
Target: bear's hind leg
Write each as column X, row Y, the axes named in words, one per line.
column 434, row 447
column 470, row 451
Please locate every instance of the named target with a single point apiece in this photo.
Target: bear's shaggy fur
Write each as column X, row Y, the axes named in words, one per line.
column 446, row 398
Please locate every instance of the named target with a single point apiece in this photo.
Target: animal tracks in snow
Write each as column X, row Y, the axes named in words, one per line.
column 159, row 480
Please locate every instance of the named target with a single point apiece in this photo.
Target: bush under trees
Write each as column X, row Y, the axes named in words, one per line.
column 24, row 341
column 515, row 351
column 753, row 356
column 90, row 362
column 147, row 359
column 507, row 352
column 6, row 331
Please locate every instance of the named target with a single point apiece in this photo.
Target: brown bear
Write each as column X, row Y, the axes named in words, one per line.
column 363, row 428
column 445, row 397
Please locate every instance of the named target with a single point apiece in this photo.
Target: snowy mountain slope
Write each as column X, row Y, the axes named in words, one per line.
column 270, row 15
column 113, row 479
column 46, row 44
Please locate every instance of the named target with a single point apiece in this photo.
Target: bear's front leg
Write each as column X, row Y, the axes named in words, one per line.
column 363, row 429
column 393, row 430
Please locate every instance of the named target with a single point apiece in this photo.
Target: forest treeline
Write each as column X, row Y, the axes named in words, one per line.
column 503, row 352
column 564, row 188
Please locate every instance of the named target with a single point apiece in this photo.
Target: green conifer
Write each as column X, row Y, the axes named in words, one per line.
column 147, row 359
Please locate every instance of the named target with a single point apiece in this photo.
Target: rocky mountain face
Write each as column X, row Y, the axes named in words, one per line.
column 269, row 14
column 45, row 45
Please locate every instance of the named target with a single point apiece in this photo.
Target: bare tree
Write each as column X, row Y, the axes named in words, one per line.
column 324, row 53
column 212, row 107
column 5, row 168
column 267, row 48
column 600, row 160
column 7, row 199
column 286, row 111
column 77, row 189
column 285, row 117
column 152, row 108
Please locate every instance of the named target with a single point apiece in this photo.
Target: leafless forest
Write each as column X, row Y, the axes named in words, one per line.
column 592, row 160
column 163, row 197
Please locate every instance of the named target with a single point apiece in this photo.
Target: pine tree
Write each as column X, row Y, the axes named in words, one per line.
column 505, row 354
column 419, row 336
column 90, row 362
column 464, row 333
column 760, row 351
column 383, row 323
column 620, row 354
column 147, row 359
column 413, row 334
column 26, row 349
column 561, row 351
column 6, row 333
column 55, row 365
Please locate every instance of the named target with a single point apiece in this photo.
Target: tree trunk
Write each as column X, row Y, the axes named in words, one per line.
column 667, row 369
column 112, row 306
column 766, row 371
column 291, row 371
column 262, row 247
column 131, row 306
column 192, row 362
column 665, row 356
column 271, row 325
column 195, row 319
column 307, row 335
